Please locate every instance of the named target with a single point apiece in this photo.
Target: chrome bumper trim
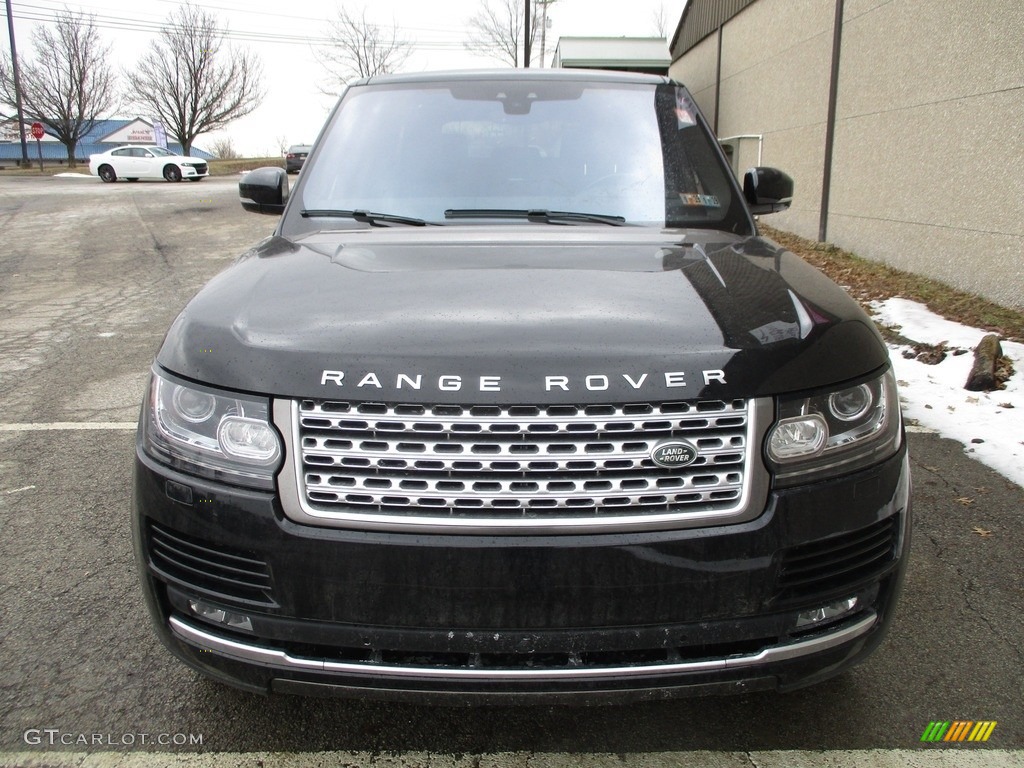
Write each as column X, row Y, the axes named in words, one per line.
column 276, row 659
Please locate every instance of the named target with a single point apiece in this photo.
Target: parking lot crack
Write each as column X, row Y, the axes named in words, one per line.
column 967, row 590
column 160, row 248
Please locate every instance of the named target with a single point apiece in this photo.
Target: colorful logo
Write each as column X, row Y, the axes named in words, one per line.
column 958, row 730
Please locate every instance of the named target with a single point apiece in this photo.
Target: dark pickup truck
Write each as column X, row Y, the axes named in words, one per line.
column 516, row 405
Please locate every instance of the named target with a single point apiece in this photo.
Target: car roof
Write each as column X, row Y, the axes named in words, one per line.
column 516, row 75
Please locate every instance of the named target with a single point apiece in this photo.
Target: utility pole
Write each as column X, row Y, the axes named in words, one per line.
column 544, row 29
column 526, row 42
column 17, row 87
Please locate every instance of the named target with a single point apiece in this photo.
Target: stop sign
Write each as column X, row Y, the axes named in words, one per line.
column 37, row 130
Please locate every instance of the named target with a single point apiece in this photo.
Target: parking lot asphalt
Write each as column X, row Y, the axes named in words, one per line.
column 91, row 275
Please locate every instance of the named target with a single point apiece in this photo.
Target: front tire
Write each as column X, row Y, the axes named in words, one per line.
column 107, row 174
column 172, row 173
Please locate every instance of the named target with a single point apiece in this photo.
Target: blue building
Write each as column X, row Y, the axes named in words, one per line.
column 105, row 134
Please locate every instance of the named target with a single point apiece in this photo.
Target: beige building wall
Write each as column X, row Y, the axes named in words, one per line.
column 928, row 159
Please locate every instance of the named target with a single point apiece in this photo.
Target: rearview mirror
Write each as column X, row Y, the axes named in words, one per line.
column 767, row 190
column 264, row 190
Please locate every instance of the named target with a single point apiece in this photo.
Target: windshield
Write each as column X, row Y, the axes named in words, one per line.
column 160, row 152
column 634, row 151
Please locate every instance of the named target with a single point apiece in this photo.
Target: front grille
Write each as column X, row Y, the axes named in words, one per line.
column 208, row 568
column 201, row 168
column 520, row 461
column 839, row 562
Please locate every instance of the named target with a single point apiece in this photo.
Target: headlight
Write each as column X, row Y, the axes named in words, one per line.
column 836, row 431
column 210, row 433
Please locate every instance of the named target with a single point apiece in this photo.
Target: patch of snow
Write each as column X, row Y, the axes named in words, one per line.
column 70, row 175
column 934, row 395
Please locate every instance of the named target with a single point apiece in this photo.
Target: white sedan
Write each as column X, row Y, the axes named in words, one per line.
column 138, row 162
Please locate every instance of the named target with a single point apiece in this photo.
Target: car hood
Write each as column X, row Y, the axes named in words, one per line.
column 521, row 314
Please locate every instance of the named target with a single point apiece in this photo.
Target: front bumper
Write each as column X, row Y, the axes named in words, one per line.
column 520, row 618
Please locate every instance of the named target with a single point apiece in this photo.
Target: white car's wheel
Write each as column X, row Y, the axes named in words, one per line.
column 107, row 174
column 172, row 173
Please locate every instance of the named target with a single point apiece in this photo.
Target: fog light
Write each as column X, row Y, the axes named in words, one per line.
column 825, row 613
column 219, row 615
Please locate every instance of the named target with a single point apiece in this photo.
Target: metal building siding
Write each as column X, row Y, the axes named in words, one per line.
column 700, row 19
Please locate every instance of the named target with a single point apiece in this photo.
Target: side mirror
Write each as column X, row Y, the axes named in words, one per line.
column 264, row 190
column 767, row 190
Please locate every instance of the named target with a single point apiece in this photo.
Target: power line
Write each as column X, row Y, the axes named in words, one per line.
column 48, row 15
column 246, row 10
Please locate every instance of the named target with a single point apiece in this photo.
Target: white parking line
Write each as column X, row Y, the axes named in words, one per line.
column 19, row 490
column 865, row 758
column 66, row 425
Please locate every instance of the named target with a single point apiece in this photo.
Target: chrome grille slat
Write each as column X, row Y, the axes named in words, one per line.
column 390, row 449
column 515, row 461
column 516, row 489
column 471, row 425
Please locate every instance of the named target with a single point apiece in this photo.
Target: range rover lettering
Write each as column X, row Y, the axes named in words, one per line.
column 515, row 404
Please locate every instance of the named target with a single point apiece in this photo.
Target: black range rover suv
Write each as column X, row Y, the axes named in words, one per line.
column 515, row 404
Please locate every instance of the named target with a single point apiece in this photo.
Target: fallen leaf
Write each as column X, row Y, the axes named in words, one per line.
column 965, row 501
column 981, row 531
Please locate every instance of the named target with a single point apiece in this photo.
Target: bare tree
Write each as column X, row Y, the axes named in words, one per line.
column 224, row 149
column 68, row 82
column 359, row 48
column 497, row 30
column 660, row 21
column 191, row 81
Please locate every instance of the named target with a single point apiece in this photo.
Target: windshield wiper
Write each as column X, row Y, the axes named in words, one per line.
column 533, row 214
column 367, row 217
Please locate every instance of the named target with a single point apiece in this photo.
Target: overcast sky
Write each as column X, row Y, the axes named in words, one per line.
column 294, row 108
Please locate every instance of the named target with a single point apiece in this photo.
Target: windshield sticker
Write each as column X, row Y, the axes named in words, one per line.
column 685, row 111
column 703, row 201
